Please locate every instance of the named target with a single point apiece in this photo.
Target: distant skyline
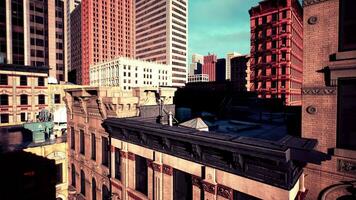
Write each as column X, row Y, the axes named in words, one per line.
column 219, row 26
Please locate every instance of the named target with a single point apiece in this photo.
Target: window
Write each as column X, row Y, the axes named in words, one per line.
column 23, row 117
column 59, row 170
column 264, row 19
column 284, row 14
column 23, row 99
column 274, row 84
column 274, row 31
column 82, row 142
column 182, row 185
column 3, row 79
column 82, row 182
column 41, row 99
column 284, row 70
column 23, row 80
column 41, row 81
column 141, row 174
column 274, row 44
column 93, row 189
column 93, row 147
column 105, row 151
column 284, row 55
column 105, row 193
column 283, row 84
column 347, row 26
column 274, row 17
column 57, row 98
column 4, row 100
column 274, row 57
column 72, row 138
column 117, row 164
column 346, row 126
column 73, row 176
column 4, row 118
column 256, row 21
column 242, row 196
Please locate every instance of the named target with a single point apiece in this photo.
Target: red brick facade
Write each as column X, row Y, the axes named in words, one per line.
column 209, row 66
column 320, row 99
column 277, row 50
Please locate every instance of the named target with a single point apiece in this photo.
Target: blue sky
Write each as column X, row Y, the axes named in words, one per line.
column 219, row 26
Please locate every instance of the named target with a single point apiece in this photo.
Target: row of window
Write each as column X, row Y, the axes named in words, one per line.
column 4, row 118
column 23, row 80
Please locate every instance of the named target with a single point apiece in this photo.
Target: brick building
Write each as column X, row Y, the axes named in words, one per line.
column 209, row 66
column 329, row 96
column 277, row 50
column 23, row 93
column 239, row 71
column 32, row 34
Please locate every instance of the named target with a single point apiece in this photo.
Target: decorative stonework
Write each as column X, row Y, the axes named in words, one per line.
column 311, row 110
column 312, row 2
column 149, row 163
column 131, row 156
column 123, row 154
column 196, row 181
column 156, row 167
column 312, row 20
column 208, row 187
column 319, row 91
column 346, row 166
column 225, row 192
column 167, row 170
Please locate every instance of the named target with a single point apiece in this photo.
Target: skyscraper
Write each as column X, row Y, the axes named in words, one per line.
column 107, row 31
column 277, row 50
column 32, row 34
column 162, row 35
column 209, row 66
column 229, row 56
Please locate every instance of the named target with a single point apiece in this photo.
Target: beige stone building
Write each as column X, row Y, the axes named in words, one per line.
column 23, row 93
column 134, row 157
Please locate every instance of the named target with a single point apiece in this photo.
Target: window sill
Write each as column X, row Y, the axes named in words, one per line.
column 345, row 153
column 345, row 55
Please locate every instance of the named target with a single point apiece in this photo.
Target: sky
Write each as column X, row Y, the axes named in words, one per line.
column 219, row 26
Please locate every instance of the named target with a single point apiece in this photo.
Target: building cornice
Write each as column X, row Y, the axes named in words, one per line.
column 312, row 2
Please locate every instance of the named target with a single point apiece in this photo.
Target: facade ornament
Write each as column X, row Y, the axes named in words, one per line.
column 312, row 2
column 319, row 91
column 312, row 20
column 167, row 170
column 196, row 181
column 347, row 166
column 208, row 187
column 101, row 107
column 311, row 110
column 225, row 192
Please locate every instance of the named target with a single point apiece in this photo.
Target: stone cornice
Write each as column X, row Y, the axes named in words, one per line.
column 312, row 2
column 319, row 91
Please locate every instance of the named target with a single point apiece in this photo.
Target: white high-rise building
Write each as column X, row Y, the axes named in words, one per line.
column 128, row 73
column 229, row 56
column 162, row 35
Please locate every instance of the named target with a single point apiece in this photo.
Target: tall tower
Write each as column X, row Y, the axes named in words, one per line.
column 107, row 31
column 277, row 50
column 162, row 35
column 34, row 34
column 229, row 56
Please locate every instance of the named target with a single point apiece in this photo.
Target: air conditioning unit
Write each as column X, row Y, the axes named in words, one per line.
column 283, row 59
column 283, row 45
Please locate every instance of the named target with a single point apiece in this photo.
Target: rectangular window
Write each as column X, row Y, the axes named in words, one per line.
column 23, row 80
column 182, row 185
column 141, row 175
column 105, row 151
column 4, row 118
column 4, row 100
column 82, row 142
column 23, row 117
column 72, row 138
column 117, row 164
column 3, row 79
column 41, row 81
column 23, row 99
column 347, row 27
column 59, row 169
column 93, row 146
column 57, row 98
column 274, row 57
column 284, row 14
column 41, row 99
column 346, row 126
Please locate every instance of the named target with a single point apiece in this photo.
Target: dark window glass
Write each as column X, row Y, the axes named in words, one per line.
column 242, row 196
column 117, row 164
column 82, row 142
column 93, row 189
column 141, row 174
column 105, row 151
column 182, row 185
column 93, row 147
column 3, row 79
column 72, row 138
column 41, row 81
column 284, row 70
column 59, row 168
column 41, row 99
column 23, row 80
column 4, row 100
column 23, row 117
column 274, row 17
column 73, row 176
column 346, row 126
column 57, row 98
column 274, row 57
column 284, row 14
column 82, row 182
column 4, row 118
column 105, row 193
column 274, row 44
column 347, row 32
column 256, row 21
column 264, row 19
column 23, row 99
column 283, row 84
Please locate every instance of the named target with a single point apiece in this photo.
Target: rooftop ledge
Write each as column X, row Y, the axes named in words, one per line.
column 277, row 163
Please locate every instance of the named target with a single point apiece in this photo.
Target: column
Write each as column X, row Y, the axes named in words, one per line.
column 197, row 187
column 124, row 169
column 209, row 184
column 8, row 32
column 167, row 182
column 131, row 170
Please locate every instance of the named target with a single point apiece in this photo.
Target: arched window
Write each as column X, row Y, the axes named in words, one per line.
column 73, row 175
column 93, row 189
column 105, row 193
column 82, row 182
